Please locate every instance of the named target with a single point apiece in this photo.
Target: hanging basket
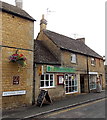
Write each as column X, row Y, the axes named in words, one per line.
column 18, row 58
column 21, row 62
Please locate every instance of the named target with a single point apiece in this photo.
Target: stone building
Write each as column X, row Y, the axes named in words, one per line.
column 106, row 73
column 17, row 38
column 65, row 66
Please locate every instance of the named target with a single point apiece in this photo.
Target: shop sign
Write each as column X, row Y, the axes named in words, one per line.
column 10, row 93
column 40, row 70
column 60, row 69
column 94, row 73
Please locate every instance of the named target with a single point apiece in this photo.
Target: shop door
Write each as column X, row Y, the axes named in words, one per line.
column 71, row 84
column 82, row 83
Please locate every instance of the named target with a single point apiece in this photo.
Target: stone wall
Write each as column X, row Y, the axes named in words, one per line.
column 106, row 73
column 17, row 33
column 50, row 45
column 59, row 89
column 56, row 92
column 0, row 62
column 81, row 65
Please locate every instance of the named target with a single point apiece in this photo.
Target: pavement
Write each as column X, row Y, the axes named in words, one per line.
column 70, row 101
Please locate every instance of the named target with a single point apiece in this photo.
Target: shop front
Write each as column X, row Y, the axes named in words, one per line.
column 60, row 80
column 93, row 76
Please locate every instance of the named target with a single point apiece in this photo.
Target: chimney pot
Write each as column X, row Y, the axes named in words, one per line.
column 43, row 23
column 81, row 39
column 19, row 3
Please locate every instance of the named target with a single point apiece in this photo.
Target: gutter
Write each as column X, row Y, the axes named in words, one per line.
column 81, row 53
column 19, row 15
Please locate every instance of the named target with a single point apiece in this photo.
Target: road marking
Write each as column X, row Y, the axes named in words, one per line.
column 62, row 111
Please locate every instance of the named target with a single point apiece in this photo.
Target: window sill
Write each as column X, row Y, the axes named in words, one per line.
column 47, row 87
column 93, row 65
column 74, row 62
column 93, row 89
column 71, row 92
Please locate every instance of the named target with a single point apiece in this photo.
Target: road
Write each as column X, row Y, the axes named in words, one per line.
column 95, row 109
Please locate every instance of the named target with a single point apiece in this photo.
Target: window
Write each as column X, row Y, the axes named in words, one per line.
column 92, row 81
column 73, row 58
column 47, row 80
column 71, row 84
column 93, row 62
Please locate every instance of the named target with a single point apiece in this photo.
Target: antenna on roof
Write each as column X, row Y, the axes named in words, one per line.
column 49, row 11
column 75, row 36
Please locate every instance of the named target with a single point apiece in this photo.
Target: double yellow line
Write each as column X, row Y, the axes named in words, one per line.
column 72, row 108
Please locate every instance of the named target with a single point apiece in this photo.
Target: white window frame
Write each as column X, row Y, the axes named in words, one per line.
column 75, row 85
column 93, row 61
column 73, row 58
column 92, row 80
column 47, row 80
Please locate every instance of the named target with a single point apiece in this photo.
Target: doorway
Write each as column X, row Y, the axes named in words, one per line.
column 71, row 85
column 82, row 87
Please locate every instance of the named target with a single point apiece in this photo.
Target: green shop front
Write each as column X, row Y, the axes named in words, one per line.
column 59, row 81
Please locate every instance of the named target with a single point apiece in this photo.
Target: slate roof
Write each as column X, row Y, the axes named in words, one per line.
column 5, row 7
column 70, row 44
column 43, row 54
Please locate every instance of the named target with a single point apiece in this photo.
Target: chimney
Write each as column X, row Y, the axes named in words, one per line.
column 43, row 23
column 19, row 3
column 81, row 39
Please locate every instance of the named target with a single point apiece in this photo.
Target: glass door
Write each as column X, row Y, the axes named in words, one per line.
column 71, row 84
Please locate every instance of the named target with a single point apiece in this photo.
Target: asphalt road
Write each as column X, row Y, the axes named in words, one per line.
column 94, row 109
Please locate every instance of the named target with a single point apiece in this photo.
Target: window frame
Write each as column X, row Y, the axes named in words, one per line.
column 73, row 58
column 71, row 86
column 93, row 61
column 95, row 79
column 49, row 80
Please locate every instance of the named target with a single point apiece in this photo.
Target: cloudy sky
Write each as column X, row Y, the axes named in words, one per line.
column 73, row 18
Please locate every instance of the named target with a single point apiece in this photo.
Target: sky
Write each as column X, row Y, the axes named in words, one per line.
column 73, row 18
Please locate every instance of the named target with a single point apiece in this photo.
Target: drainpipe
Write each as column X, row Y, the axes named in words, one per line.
column 88, row 75
column 34, row 74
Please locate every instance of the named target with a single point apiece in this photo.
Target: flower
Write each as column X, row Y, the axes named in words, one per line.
column 13, row 58
column 19, row 58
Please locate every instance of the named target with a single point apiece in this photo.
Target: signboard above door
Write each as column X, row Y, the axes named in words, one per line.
column 60, row 69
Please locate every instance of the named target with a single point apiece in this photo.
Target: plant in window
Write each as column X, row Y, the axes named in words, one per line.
column 18, row 58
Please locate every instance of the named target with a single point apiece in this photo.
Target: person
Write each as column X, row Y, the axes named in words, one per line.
column 98, row 87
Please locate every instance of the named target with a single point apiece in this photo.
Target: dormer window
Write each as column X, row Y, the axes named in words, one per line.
column 73, row 58
column 93, row 62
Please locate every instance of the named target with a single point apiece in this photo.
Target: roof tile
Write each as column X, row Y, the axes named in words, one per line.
column 15, row 10
column 70, row 44
column 43, row 54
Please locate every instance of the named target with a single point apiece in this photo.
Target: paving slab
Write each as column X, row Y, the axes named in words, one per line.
column 30, row 111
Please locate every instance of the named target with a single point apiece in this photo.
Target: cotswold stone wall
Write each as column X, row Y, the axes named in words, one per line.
column 17, row 33
column 56, row 92
column 0, row 63
column 50, row 45
column 106, row 73
column 81, row 65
